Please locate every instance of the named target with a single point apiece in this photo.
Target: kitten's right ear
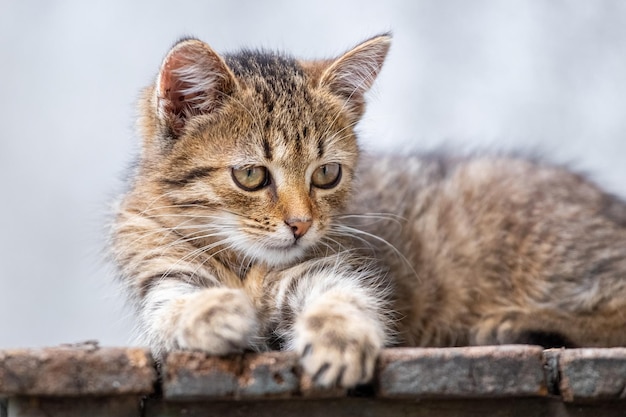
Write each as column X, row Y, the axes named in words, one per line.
column 193, row 80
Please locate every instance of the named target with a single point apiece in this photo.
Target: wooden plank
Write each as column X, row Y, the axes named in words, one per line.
column 593, row 374
column 468, row 372
column 72, row 371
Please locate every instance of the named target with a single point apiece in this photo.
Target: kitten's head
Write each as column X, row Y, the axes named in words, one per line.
column 254, row 151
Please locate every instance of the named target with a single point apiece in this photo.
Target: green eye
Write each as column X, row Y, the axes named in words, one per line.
column 326, row 176
column 251, row 178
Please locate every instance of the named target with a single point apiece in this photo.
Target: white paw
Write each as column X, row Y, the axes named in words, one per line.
column 338, row 346
column 217, row 321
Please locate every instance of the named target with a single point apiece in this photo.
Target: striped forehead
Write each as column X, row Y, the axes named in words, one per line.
column 292, row 150
column 283, row 108
column 276, row 79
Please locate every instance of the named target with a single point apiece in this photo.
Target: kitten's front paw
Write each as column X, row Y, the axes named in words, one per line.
column 218, row 321
column 337, row 346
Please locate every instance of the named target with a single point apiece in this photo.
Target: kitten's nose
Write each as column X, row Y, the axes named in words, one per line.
column 299, row 226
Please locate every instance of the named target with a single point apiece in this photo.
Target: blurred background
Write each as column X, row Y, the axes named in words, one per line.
column 549, row 76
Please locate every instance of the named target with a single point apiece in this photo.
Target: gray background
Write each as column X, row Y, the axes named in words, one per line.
column 541, row 75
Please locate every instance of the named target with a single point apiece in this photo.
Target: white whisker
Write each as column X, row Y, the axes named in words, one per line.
column 354, row 232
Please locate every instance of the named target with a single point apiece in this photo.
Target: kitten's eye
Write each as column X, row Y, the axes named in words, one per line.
column 327, row 176
column 251, row 178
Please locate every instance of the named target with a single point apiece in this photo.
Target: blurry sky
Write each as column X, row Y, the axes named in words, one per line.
column 548, row 76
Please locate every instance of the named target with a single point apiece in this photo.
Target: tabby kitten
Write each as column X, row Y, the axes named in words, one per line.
column 252, row 223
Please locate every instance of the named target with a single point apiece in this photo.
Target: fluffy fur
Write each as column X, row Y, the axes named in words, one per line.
column 336, row 255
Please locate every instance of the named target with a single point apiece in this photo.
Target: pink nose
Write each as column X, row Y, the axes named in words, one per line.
column 299, row 226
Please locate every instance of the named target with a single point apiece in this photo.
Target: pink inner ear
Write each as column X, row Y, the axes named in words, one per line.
column 172, row 83
column 173, row 102
column 193, row 80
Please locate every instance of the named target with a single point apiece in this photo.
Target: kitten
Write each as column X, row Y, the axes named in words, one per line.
column 252, row 223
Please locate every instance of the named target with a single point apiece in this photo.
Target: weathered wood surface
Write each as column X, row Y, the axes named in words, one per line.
column 471, row 381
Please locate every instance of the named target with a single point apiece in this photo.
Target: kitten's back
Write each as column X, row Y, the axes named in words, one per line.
column 492, row 233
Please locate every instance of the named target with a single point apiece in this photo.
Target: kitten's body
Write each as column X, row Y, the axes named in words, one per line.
column 251, row 224
column 501, row 250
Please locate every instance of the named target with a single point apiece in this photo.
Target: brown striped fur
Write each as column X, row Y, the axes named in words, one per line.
column 427, row 250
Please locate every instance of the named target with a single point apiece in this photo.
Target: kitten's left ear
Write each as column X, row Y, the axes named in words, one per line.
column 351, row 75
column 193, row 80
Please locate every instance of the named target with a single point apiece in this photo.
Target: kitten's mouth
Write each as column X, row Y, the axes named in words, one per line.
column 294, row 247
column 278, row 251
column 287, row 247
column 278, row 254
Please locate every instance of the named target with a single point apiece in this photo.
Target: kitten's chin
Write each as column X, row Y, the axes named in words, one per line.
column 279, row 257
column 276, row 251
column 274, row 255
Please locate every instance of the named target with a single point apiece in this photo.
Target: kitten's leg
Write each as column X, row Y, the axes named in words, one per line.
column 511, row 326
column 176, row 315
column 551, row 328
column 335, row 319
column 183, row 301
